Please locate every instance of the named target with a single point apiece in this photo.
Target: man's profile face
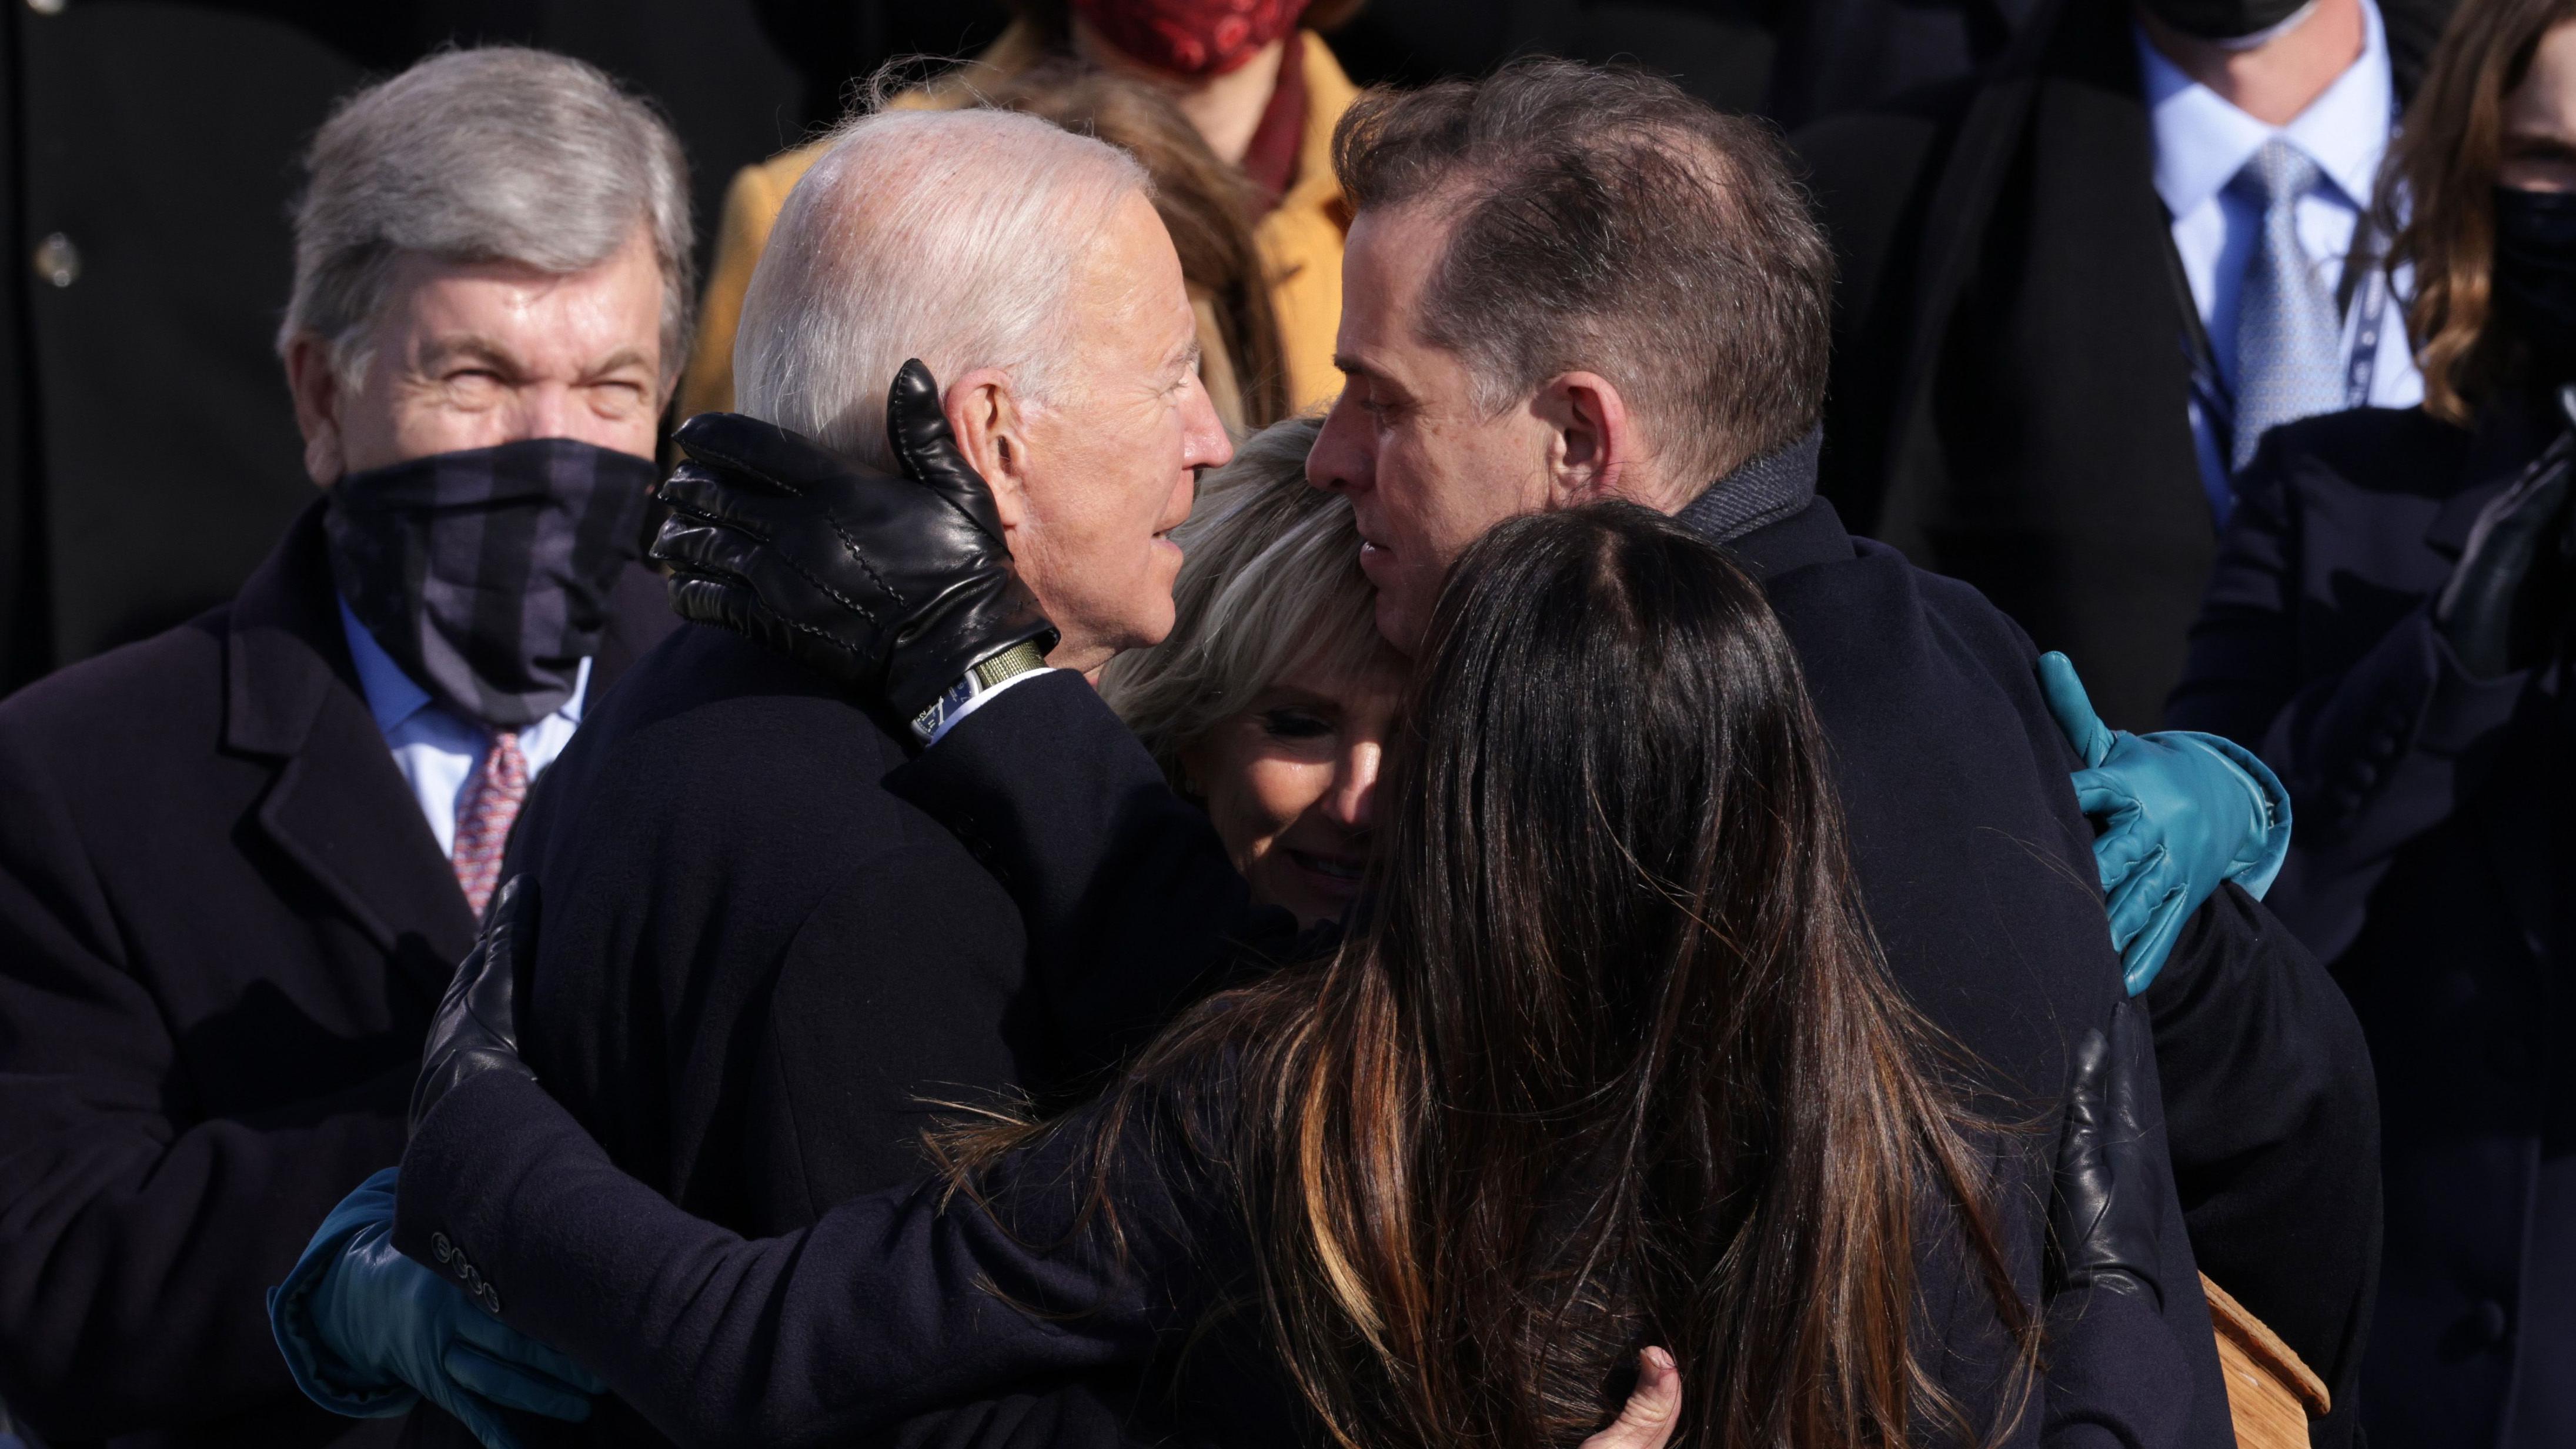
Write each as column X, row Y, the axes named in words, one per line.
column 1427, row 471
column 473, row 355
column 1114, row 460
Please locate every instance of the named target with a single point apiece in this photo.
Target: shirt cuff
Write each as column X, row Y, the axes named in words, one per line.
column 981, row 698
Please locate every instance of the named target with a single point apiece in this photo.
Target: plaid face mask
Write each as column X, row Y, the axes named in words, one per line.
column 486, row 573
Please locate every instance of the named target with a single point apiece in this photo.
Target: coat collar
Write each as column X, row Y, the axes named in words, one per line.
column 337, row 807
column 2505, row 440
column 1813, row 535
column 1764, row 490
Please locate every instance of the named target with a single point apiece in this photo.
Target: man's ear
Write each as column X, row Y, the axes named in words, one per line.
column 316, row 389
column 993, row 434
column 1592, row 441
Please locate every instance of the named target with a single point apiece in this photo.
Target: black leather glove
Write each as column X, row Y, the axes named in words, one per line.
column 2506, row 605
column 476, row 1029
column 2106, row 1217
column 892, row 587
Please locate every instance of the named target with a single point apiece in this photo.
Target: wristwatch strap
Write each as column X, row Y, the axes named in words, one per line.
column 986, row 675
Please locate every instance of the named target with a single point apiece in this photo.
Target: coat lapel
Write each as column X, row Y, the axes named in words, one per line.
column 338, row 809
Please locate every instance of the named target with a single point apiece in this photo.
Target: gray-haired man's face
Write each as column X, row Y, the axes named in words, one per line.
column 475, row 355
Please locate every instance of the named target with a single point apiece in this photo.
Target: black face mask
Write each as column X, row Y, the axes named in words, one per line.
column 2223, row 19
column 486, row 573
column 2535, row 274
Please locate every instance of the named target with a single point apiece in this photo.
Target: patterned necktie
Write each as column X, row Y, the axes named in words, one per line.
column 484, row 815
column 2289, row 340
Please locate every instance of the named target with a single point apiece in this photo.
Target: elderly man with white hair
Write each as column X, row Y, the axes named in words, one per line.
column 238, row 861
column 761, row 966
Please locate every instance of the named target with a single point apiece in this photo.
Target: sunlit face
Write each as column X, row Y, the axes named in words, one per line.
column 1290, row 784
column 473, row 355
column 2540, row 118
column 1426, row 470
column 1110, row 469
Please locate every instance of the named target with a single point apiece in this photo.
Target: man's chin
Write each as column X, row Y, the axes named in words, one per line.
column 1398, row 625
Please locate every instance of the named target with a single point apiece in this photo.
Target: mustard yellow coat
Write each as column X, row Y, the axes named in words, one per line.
column 1301, row 239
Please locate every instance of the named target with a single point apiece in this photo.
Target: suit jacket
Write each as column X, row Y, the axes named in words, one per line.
column 2432, row 871
column 223, row 925
column 760, row 973
column 2010, row 393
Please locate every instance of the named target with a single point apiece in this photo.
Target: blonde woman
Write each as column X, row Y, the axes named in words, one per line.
column 1271, row 701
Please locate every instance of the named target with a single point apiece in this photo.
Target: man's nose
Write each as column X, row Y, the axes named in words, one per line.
column 1204, row 443
column 1352, row 802
column 543, row 410
column 1340, row 461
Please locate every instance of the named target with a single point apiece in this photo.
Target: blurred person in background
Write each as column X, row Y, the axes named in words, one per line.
column 238, row 860
column 148, row 192
column 1272, row 701
column 1253, row 77
column 2078, row 289
column 2388, row 625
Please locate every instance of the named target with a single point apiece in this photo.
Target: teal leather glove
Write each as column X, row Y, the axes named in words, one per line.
column 2183, row 813
column 369, row 1333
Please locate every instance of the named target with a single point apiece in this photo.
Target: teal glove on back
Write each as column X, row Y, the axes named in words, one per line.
column 2184, row 812
column 368, row 1332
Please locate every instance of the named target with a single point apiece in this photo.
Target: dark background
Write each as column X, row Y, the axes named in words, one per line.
column 148, row 455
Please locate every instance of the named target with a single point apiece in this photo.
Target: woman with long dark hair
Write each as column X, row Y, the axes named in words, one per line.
column 1611, row 1061
column 2388, row 626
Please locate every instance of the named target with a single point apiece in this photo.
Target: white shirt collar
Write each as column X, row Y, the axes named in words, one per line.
column 393, row 696
column 2203, row 141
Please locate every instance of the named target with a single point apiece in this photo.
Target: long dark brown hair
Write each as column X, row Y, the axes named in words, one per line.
column 2437, row 198
column 1613, row 1059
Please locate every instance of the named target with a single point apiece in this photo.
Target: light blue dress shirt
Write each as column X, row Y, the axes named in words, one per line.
column 2202, row 142
column 437, row 749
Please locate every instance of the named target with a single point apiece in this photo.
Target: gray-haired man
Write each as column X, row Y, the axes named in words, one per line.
column 238, row 861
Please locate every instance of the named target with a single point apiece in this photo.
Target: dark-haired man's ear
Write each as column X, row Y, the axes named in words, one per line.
column 993, row 435
column 1592, row 440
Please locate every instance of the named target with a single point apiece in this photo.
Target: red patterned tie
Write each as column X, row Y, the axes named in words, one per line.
column 483, row 816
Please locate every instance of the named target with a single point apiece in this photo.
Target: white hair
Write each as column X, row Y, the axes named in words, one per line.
column 951, row 236
column 500, row 153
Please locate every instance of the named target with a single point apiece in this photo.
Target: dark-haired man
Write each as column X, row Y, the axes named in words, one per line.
column 1541, row 310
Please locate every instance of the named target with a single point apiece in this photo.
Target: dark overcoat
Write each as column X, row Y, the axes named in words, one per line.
column 761, row 974
column 223, row 925
column 2431, row 870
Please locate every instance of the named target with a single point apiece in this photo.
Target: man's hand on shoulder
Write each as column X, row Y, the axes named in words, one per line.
column 895, row 587
column 2181, row 814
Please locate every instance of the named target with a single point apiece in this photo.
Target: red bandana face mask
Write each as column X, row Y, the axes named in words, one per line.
column 1191, row 37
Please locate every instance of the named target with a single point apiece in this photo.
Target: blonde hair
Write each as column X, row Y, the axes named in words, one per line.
column 1271, row 582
